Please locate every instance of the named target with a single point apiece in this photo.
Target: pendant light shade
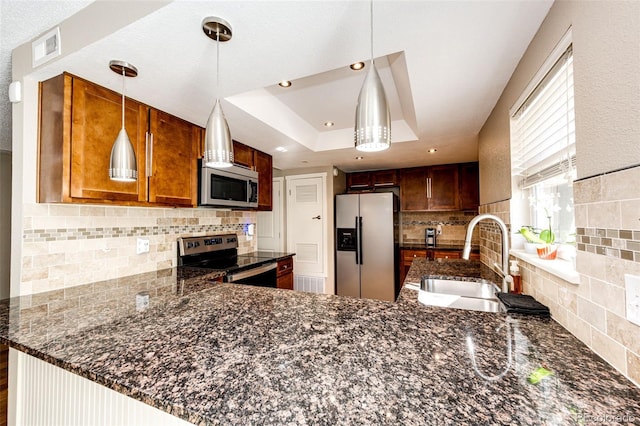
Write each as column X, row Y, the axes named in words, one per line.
column 218, row 146
column 373, row 120
column 122, row 165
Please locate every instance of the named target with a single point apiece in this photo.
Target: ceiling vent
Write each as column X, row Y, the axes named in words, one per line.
column 46, row 47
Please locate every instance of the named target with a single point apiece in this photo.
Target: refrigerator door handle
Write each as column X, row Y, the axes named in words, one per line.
column 360, row 239
column 357, row 243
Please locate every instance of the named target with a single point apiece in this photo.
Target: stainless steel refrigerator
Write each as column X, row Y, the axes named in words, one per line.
column 367, row 245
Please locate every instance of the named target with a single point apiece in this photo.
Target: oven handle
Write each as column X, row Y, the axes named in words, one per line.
column 251, row 272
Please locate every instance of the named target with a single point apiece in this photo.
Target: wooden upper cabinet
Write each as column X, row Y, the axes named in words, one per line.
column 264, row 166
column 173, row 160
column 374, row 179
column 469, row 186
column 429, row 188
column 79, row 121
column 383, row 178
column 442, row 191
column 413, row 189
column 243, row 155
column 359, row 180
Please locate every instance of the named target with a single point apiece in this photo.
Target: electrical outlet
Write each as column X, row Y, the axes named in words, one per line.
column 142, row 245
column 632, row 285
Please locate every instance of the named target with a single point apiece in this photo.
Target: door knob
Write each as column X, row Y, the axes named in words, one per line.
column 316, row 217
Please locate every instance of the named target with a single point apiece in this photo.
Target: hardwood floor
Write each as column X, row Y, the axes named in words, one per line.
column 4, row 383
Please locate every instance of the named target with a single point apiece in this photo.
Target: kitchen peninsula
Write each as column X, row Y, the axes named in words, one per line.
column 217, row 353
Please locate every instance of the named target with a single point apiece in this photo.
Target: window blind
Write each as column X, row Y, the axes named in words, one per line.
column 543, row 127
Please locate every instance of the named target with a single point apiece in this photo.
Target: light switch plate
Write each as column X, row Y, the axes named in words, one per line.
column 632, row 286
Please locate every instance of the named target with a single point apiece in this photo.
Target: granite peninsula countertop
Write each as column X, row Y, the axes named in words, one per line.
column 216, row 353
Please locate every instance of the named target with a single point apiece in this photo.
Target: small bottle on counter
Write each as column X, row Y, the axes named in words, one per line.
column 514, row 271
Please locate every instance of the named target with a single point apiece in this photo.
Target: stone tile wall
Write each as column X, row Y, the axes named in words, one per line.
column 490, row 234
column 607, row 212
column 68, row 245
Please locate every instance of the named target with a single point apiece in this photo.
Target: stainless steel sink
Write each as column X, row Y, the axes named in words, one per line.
column 470, row 295
column 479, row 290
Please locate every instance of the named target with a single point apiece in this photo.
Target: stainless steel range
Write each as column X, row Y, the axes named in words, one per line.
column 220, row 253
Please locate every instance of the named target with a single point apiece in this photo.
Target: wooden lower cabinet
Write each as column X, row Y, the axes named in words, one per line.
column 285, row 273
column 446, row 254
column 406, row 259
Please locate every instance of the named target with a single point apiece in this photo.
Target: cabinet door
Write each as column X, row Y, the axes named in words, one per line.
column 172, row 160
column 407, row 257
column 469, row 186
column 447, row 254
column 285, row 274
column 96, row 116
column 242, row 155
column 383, row 178
column 413, row 189
column 442, row 191
column 359, row 180
column 264, row 167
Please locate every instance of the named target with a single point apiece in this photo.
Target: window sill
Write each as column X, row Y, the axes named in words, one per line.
column 560, row 268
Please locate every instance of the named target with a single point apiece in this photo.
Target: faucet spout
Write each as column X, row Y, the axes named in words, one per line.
column 507, row 279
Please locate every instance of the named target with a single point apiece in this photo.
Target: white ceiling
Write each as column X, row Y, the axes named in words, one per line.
column 444, row 64
column 20, row 21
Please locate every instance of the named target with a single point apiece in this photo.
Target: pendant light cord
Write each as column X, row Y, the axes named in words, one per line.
column 218, row 62
column 123, row 78
column 371, row 27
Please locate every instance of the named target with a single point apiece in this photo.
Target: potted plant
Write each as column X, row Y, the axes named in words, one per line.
column 547, row 249
column 531, row 237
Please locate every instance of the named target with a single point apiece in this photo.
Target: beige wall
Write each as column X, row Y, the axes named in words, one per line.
column 606, row 49
column 606, row 46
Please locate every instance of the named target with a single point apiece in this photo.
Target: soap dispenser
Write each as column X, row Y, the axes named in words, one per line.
column 514, row 271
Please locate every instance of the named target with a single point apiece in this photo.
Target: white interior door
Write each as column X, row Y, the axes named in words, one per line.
column 306, row 223
column 270, row 224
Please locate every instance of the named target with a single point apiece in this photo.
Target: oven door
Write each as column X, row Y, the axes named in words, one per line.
column 261, row 276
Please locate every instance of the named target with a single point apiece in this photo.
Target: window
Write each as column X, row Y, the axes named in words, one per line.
column 543, row 152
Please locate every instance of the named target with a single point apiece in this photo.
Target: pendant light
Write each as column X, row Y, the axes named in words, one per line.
column 373, row 121
column 122, row 166
column 218, row 146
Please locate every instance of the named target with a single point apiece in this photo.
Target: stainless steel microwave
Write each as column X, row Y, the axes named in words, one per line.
column 229, row 187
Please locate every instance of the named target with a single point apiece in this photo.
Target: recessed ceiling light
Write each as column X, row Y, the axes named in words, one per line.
column 432, row 150
column 281, row 149
column 357, row 66
column 284, row 83
column 328, row 123
column 359, row 158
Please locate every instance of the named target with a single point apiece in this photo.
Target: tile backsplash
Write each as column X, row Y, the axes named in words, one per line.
column 453, row 223
column 607, row 214
column 68, row 245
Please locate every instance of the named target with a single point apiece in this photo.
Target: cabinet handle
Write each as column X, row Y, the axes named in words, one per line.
column 316, row 217
column 428, row 187
column 151, row 155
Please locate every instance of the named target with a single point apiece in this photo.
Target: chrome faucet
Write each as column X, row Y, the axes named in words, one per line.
column 504, row 271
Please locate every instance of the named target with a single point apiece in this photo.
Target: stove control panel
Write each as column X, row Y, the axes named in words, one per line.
column 209, row 243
